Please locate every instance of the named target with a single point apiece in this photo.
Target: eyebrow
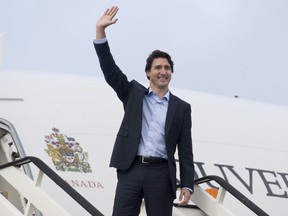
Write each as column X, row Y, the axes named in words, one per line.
column 160, row 66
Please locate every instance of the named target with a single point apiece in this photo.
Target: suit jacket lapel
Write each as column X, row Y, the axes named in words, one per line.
column 172, row 107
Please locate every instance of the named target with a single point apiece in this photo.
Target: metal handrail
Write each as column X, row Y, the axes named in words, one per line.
column 234, row 192
column 58, row 180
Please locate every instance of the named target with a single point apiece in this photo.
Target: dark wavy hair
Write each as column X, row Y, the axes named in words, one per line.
column 158, row 54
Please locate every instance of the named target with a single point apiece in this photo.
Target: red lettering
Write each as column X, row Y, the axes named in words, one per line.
column 91, row 184
column 74, row 183
column 99, row 185
column 85, row 184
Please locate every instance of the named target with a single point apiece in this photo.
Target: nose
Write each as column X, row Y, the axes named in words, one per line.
column 163, row 71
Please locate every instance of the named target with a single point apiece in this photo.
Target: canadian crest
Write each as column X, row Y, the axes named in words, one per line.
column 66, row 153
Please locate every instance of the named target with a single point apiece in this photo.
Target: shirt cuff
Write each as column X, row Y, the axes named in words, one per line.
column 191, row 191
column 100, row 41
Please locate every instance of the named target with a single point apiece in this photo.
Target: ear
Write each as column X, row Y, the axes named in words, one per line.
column 148, row 73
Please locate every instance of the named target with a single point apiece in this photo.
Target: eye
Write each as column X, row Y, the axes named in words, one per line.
column 167, row 67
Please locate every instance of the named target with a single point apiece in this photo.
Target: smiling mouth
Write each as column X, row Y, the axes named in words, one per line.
column 162, row 78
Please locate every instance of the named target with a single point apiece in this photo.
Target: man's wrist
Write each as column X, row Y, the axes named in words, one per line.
column 191, row 191
column 100, row 41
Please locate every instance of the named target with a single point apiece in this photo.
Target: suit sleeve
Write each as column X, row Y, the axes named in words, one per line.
column 112, row 73
column 185, row 151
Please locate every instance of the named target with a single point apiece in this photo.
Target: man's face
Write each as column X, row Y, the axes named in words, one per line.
column 160, row 74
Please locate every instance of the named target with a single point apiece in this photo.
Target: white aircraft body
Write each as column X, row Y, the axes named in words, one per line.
column 70, row 122
column 242, row 141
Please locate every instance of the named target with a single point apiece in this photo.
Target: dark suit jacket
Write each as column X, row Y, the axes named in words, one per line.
column 177, row 128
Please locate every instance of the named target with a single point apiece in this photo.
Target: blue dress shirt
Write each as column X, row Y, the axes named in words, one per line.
column 152, row 141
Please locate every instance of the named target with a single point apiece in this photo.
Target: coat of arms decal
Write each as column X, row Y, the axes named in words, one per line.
column 66, row 153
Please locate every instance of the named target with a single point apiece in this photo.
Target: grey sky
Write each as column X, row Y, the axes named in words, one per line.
column 223, row 47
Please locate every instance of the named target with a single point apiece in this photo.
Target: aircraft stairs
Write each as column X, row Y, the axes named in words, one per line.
column 20, row 195
column 211, row 201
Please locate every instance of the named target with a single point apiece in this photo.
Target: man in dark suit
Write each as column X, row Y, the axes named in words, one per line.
column 155, row 122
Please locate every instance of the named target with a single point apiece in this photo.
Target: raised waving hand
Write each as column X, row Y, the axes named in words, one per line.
column 106, row 20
